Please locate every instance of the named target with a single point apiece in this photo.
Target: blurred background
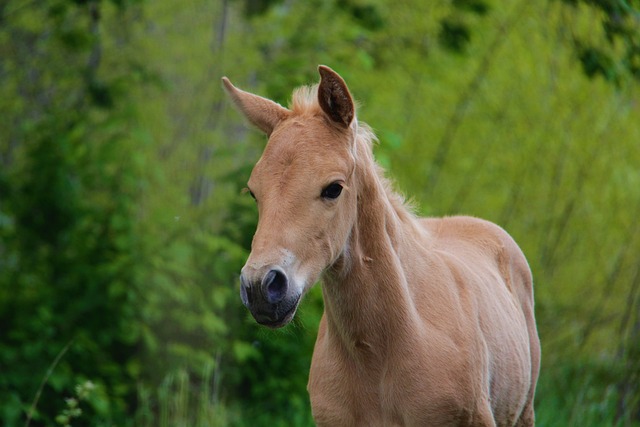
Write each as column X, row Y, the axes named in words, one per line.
column 123, row 226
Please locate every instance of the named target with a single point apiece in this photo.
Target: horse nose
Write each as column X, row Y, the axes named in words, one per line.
column 274, row 285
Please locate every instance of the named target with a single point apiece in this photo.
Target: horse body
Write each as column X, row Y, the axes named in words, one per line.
column 426, row 322
column 452, row 353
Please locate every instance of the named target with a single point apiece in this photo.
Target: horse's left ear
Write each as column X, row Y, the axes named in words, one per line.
column 334, row 97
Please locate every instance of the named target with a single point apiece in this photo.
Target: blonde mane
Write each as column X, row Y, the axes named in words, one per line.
column 403, row 207
column 305, row 100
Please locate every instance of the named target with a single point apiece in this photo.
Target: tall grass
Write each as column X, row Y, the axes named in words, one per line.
column 582, row 393
column 585, row 394
column 573, row 396
column 184, row 401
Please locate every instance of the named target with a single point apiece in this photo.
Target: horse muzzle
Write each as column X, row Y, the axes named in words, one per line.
column 270, row 295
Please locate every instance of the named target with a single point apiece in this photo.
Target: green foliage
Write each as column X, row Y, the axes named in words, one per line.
column 73, row 409
column 455, row 29
column 70, row 250
column 614, row 55
column 123, row 225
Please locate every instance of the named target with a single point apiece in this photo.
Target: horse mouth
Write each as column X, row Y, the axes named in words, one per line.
column 282, row 315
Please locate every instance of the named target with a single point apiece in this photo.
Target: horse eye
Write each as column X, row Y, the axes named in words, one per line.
column 332, row 191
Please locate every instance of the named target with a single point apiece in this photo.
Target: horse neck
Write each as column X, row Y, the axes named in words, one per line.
column 367, row 300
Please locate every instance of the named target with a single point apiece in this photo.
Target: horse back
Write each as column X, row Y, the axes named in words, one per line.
column 476, row 240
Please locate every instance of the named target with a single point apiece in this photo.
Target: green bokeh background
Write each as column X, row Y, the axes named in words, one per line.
column 123, row 226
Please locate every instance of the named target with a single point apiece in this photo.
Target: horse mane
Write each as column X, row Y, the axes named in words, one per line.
column 403, row 207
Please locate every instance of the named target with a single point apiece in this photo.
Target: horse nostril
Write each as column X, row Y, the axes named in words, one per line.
column 274, row 286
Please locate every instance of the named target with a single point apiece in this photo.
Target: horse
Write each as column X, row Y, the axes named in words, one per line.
column 426, row 322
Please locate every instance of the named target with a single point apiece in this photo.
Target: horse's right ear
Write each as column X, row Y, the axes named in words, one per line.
column 263, row 113
column 334, row 97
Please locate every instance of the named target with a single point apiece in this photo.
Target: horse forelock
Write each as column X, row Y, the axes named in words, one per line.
column 305, row 99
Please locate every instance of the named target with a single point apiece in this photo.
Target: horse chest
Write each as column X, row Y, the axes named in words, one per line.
column 386, row 392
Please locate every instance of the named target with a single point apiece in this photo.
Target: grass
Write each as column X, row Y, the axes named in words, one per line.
column 180, row 401
column 584, row 394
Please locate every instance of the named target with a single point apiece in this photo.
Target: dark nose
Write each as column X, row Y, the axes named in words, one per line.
column 273, row 288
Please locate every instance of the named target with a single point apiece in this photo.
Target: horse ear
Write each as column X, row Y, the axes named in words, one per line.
column 263, row 113
column 334, row 97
